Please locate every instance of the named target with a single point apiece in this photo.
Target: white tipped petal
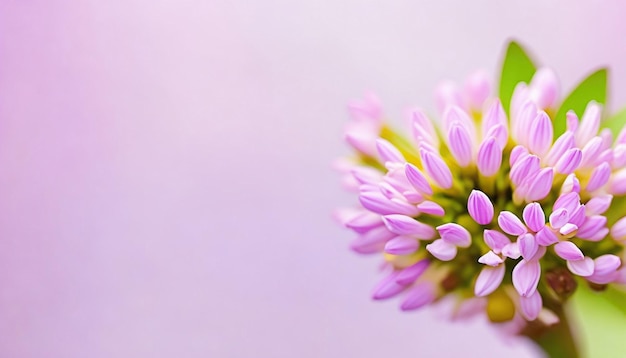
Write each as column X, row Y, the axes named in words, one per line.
column 442, row 250
column 488, row 280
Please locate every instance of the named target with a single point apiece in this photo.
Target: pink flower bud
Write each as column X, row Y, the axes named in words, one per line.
column 531, row 306
column 589, row 124
column 526, row 277
column 542, row 134
column 388, row 153
column 489, row 157
column 437, row 169
column 527, row 245
column 544, row 88
column 460, row 144
column 480, row 207
column 534, row 217
column 417, row 179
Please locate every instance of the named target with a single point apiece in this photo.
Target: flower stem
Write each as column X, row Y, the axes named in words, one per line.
column 556, row 341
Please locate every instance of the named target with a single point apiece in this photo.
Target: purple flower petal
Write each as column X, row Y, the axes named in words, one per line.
column 495, row 240
column 569, row 201
column 531, row 306
column 388, row 152
column 578, row 216
column 380, row 204
column 541, row 185
column 454, row 114
column 477, row 89
column 413, row 197
column 518, row 153
column 490, row 259
column 524, row 168
column 364, row 222
column 598, row 204
column 511, row 224
column 604, row 279
column 526, row 277
column 480, row 207
column 423, row 129
column 599, row 235
column 582, row 267
column 570, row 185
column 455, row 234
column 401, row 245
column 571, row 120
column 562, row 144
column 362, row 142
column 500, row 133
column 389, row 191
column 522, row 122
column 599, row 176
column 542, row 134
column 489, row 157
column 405, row 225
column 372, row 241
column 589, row 123
column 527, row 245
column 436, row 169
column 417, row 179
column 591, row 151
column 558, row 218
column 431, row 208
column 545, row 237
column 494, row 116
column 534, row 217
column 568, row 251
column 618, row 231
column 387, row 287
column 408, row 275
column 544, row 88
column 568, row 229
column 488, row 280
column 591, row 226
column 460, row 144
column 365, row 175
column 442, row 250
column 617, row 184
column 511, row 251
column 569, row 162
column 606, row 264
column 420, row 295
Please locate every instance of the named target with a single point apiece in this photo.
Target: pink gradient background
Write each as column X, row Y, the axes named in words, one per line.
column 166, row 188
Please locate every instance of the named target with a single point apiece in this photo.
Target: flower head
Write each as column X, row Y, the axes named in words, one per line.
column 483, row 203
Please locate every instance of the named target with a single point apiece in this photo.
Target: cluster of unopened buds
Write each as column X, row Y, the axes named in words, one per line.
column 495, row 210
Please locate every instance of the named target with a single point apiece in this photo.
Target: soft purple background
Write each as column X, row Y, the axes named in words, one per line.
column 165, row 188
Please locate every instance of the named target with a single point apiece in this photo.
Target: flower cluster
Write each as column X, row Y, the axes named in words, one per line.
column 486, row 204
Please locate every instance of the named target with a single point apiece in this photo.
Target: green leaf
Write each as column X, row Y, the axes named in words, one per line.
column 594, row 87
column 601, row 318
column 517, row 67
column 616, row 122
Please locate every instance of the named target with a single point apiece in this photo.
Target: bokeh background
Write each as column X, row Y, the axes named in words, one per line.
column 165, row 180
